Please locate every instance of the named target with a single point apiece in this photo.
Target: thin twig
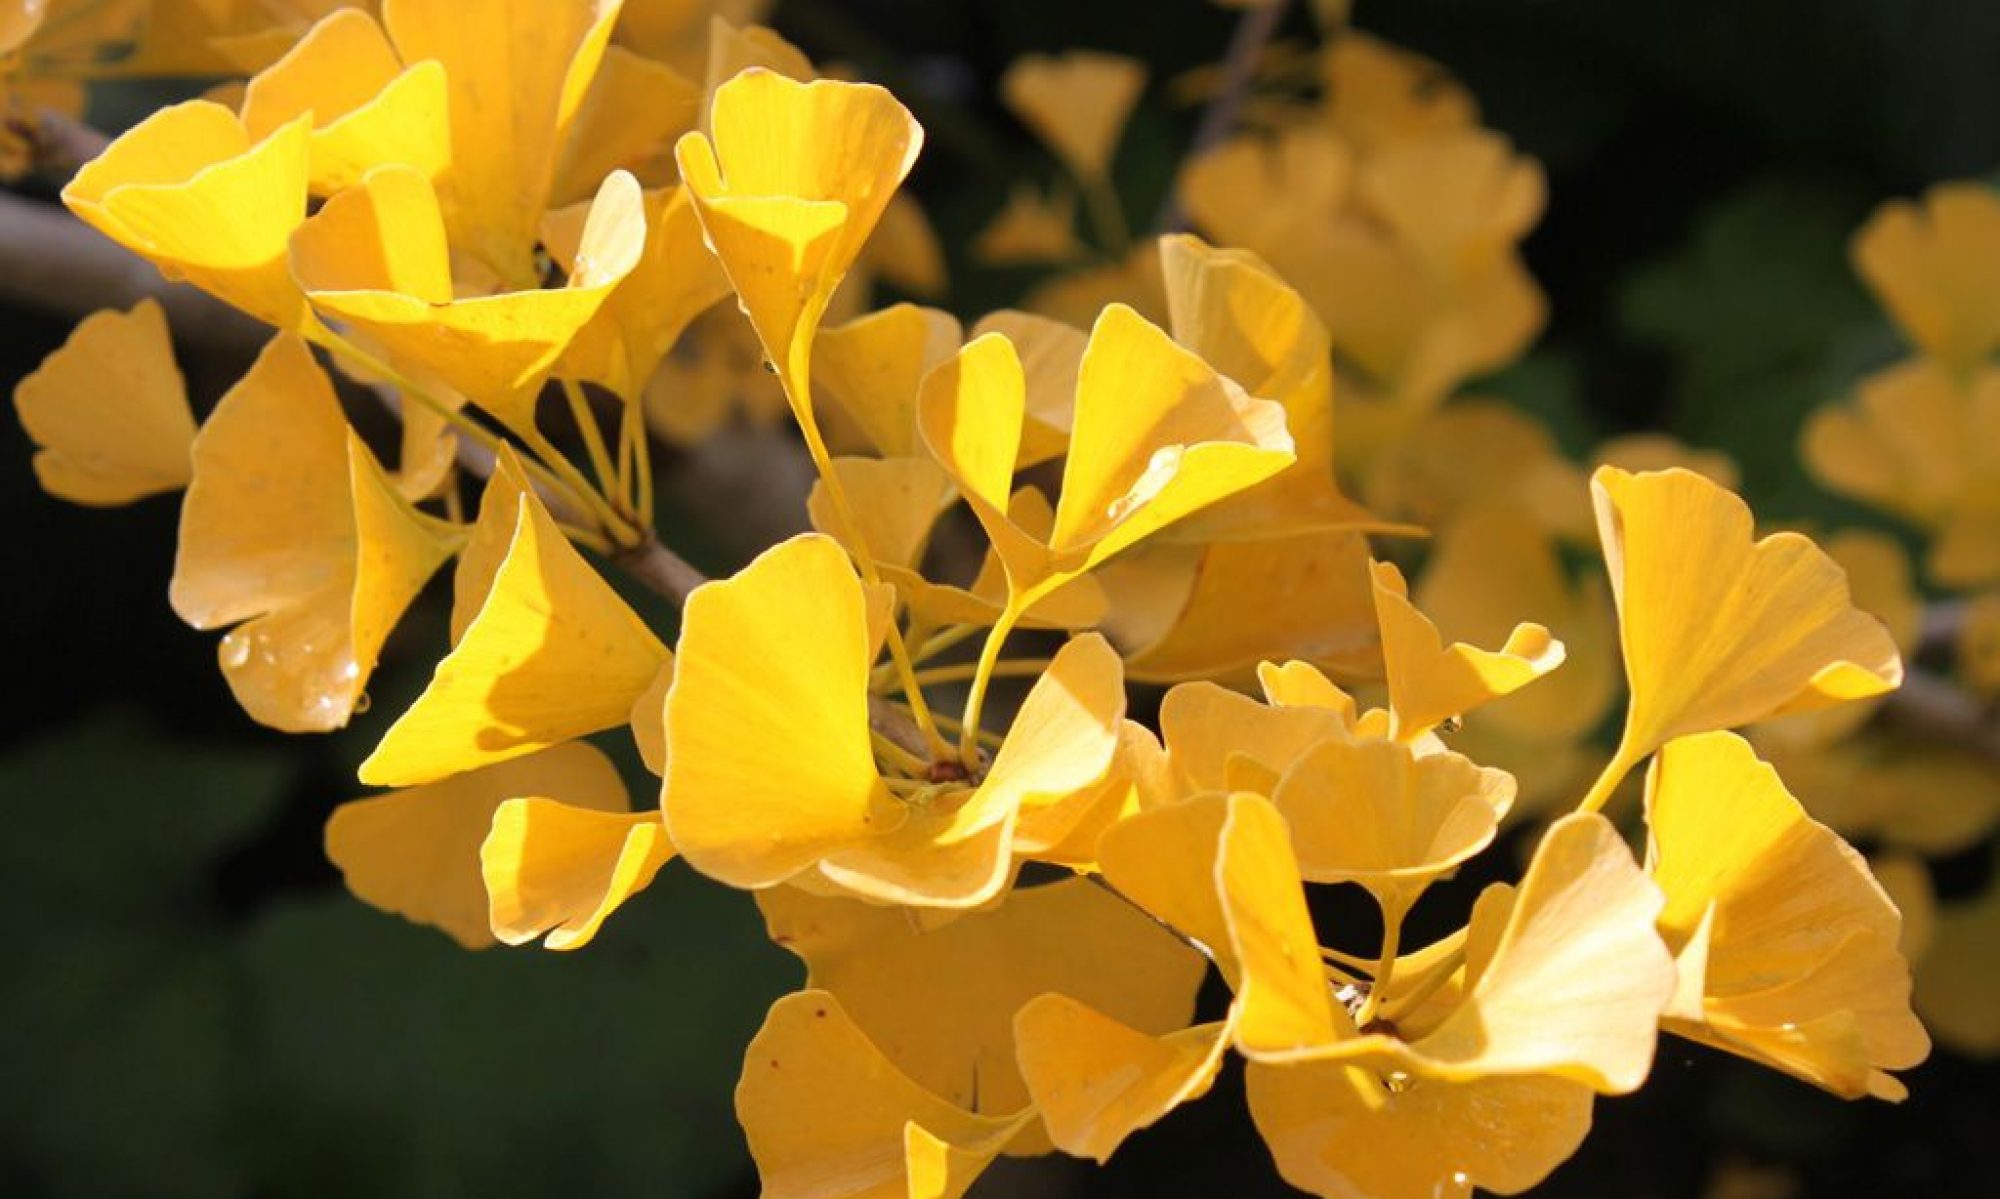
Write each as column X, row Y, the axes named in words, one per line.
column 1239, row 69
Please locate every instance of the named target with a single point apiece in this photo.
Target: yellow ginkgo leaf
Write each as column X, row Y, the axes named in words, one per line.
column 189, row 190
column 1283, row 1001
column 1337, row 1131
column 1096, row 1080
column 940, row 1002
column 769, row 765
column 1065, row 830
column 1151, row 857
column 1157, row 436
column 108, row 411
column 1923, row 260
column 873, row 365
column 519, row 71
column 553, row 866
column 1051, row 354
column 1077, row 604
column 491, row 537
column 1234, row 311
column 1223, row 740
column 1909, row 441
column 1460, row 202
column 1177, row 609
column 1493, row 565
column 283, row 500
column 386, row 235
column 495, row 349
column 1297, row 684
column 629, row 119
column 1879, row 578
column 674, row 280
column 1380, row 94
column 552, row 654
column 896, row 501
column 1308, row 165
column 1377, row 813
column 789, row 183
column 1578, row 935
column 1788, row 947
column 1430, row 682
column 366, row 109
column 649, row 720
column 417, row 852
column 1030, row 228
column 827, row 1114
column 955, row 851
column 1076, row 103
column 735, row 45
column 1762, row 629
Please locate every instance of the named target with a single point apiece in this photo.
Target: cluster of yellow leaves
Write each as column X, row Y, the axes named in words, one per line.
column 1919, row 439
column 1155, row 496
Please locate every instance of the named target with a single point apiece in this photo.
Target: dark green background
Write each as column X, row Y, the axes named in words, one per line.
column 191, row 1005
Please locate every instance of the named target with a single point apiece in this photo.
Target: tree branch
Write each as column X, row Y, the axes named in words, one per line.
column 51, row 262
column 58, row 144
column 1931, row 707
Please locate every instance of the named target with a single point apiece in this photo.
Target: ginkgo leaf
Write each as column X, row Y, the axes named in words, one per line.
column 956, row 853
column 551, row 655
column 674, row 280
column 491, row 537
column 519, row 71
column 366, row 109
column 283, row 499
column 769, row 766
column 189, row 190
column 940, row 1002
column 495, row 349
column 416, row 852
column 872, row 367
column 1789, row 948
column 1096, row 1080
column 895, row 502
column 789, row 182
column 1762, row 629
column 1429, row 682
column 554, row 866
column 1336, row 1130
column 827, row 1114
column 108, row 411
column 1375, row 812
column 1922, row 260
column 1578, row 935
column 1077, row 103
